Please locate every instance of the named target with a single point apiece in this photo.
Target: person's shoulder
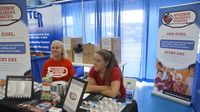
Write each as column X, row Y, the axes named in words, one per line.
column 92, row 70
column 116, row 73
column 67, row 60
column 116, row 68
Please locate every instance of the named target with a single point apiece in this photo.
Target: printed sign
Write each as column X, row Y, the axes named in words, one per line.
column 42, row 29
column 179, row 28
column 14, row 41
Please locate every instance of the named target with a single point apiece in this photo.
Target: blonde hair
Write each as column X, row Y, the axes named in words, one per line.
column 62, row 47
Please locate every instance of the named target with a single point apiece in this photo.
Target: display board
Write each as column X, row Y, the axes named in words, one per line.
column 179, row 28
column 45, row 25
column 14, row 40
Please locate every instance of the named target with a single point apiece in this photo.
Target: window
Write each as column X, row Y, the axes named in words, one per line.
column 67, row 26
column 132, row 32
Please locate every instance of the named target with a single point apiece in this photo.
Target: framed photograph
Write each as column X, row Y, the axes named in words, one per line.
column 74, row 94
column 19, row 87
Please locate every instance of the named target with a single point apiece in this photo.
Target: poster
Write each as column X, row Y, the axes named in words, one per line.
column 45, row 25
column 14, row 40
column 179, row 28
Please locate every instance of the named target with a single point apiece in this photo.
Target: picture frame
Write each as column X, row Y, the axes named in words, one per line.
column 19, row 87
column 74, row 94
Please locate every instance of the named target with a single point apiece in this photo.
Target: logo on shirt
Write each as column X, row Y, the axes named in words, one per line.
column 58, row 71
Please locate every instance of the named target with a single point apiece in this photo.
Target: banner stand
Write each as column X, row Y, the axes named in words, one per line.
column 186, row 103
column 178, row 36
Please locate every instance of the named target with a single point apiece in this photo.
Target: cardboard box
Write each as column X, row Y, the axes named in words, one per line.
column 90, row 48
column 117, row 56
column 70, row 55
column 88, row 53
column 88, row 57
column 71, row 43
column 114, row 45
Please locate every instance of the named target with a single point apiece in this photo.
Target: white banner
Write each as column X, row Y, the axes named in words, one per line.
column 179, row 28
column 14, row 40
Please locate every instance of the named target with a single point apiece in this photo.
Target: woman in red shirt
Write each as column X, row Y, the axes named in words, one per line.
column 58, row 65
column 105, row 76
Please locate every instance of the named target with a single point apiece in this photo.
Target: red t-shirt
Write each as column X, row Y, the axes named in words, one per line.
column 61, row 70
column 115, row 74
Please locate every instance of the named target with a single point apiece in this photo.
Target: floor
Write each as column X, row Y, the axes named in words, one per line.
column 150, row 103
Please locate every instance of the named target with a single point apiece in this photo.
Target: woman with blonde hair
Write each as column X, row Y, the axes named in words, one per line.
column 58, row 65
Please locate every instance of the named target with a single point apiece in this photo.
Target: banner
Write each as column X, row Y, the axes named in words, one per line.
column 14, row 40
column 179, row 28
column 45, row 25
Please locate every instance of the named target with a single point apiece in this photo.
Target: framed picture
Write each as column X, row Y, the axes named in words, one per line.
column 19, row 87
column 74, row 94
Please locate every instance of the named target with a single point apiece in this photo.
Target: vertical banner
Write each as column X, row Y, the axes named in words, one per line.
column 45, row 25
column 179, row 28
column 14, row 40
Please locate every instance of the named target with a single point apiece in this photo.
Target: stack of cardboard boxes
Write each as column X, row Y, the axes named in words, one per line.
column 114, row 45
column 88, row 53
column 86, row 56
column 70, row 44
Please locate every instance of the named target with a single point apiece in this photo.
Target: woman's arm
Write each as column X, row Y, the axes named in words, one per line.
column 96, row 88
column 93, row 87
column 112, row 90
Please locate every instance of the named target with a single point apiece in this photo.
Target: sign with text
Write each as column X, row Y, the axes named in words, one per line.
column 14, row 41
column 44, row 27
column 179, row 28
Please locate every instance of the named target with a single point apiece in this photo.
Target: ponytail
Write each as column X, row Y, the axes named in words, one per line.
column 109, row 57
